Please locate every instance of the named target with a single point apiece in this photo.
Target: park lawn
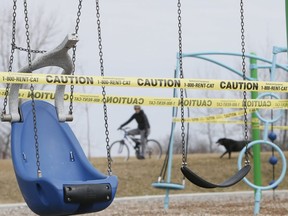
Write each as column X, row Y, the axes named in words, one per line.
column 136, row 176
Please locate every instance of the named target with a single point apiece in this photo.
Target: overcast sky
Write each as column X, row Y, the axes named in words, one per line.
column 140, row 39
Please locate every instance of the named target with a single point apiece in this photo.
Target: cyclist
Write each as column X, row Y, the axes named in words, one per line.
column 143, row 128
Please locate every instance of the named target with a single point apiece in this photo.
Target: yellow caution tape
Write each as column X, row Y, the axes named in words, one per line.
column 150, row 101
column 276, row 127
column 155, row 101
column 25, row 78
column 220, row 121
column 223, row 121
column 217, row 118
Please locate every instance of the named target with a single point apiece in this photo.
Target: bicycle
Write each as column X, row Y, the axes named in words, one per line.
column 120, row 148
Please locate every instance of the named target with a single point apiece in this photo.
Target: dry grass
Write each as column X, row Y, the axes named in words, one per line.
column 136, row 176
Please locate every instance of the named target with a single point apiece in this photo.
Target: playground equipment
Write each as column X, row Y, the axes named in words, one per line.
column 272, row 136
column 189, row 174
column 186, row 171
column 266, row 64
column 258, row 189
column 273, row 160
column 166, row 172
column 55, row 177
column 68, row 184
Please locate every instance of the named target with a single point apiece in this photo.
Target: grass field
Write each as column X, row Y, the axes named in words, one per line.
column 135, row 176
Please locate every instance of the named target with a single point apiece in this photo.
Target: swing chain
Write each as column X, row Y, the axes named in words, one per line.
column 244, row 78
column 180, row 56
column 26, row 50
column 11, row 58
column 74, row 57
column 109, row 169
column 39, row 173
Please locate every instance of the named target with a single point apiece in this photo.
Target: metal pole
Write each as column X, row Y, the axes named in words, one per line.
column 171, row 143
column 255, row 132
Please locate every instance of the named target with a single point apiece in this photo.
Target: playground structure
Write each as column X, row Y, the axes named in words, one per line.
column 164, row 181
column 269, row 65
column 59, row 107
column 56, row 178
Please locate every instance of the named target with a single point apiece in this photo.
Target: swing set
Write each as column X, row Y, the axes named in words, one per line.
column 187, row 172
column 54, row 175
column 55, row 178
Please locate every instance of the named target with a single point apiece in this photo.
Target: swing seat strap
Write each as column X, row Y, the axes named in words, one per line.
column 87, row 193
column 197, row 180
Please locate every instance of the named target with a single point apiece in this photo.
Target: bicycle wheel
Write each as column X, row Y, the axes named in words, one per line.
column 153, row 149
column 119, row 151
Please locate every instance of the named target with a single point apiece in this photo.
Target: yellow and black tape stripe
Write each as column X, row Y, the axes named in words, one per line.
column 224, row 121
column 157, row 101
column 236, row 85
column 217, row 117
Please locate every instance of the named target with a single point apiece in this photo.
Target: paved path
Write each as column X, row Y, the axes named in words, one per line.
column 224, row 203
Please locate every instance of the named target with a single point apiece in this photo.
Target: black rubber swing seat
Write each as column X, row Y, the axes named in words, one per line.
column 197, row 180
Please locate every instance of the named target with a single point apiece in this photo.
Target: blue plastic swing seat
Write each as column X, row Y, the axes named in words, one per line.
column 69, row 183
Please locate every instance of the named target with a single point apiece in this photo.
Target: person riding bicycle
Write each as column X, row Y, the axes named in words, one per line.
column 143, row 128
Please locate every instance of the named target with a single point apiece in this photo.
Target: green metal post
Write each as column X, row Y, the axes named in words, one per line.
column 255, row 130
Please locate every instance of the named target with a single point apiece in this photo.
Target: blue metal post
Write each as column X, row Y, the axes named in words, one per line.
column 171, row 143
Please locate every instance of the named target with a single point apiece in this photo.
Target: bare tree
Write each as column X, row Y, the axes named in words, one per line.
column 42, row 32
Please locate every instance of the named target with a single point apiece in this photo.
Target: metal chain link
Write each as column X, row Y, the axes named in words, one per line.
column 11, row 58
column 184, row 152
column 26, row 50
column 244, row 78
column 39, row 173
column 74, row 57
column 109, row 160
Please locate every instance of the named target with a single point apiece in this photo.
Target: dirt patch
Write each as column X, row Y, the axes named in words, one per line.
column 135, row 178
